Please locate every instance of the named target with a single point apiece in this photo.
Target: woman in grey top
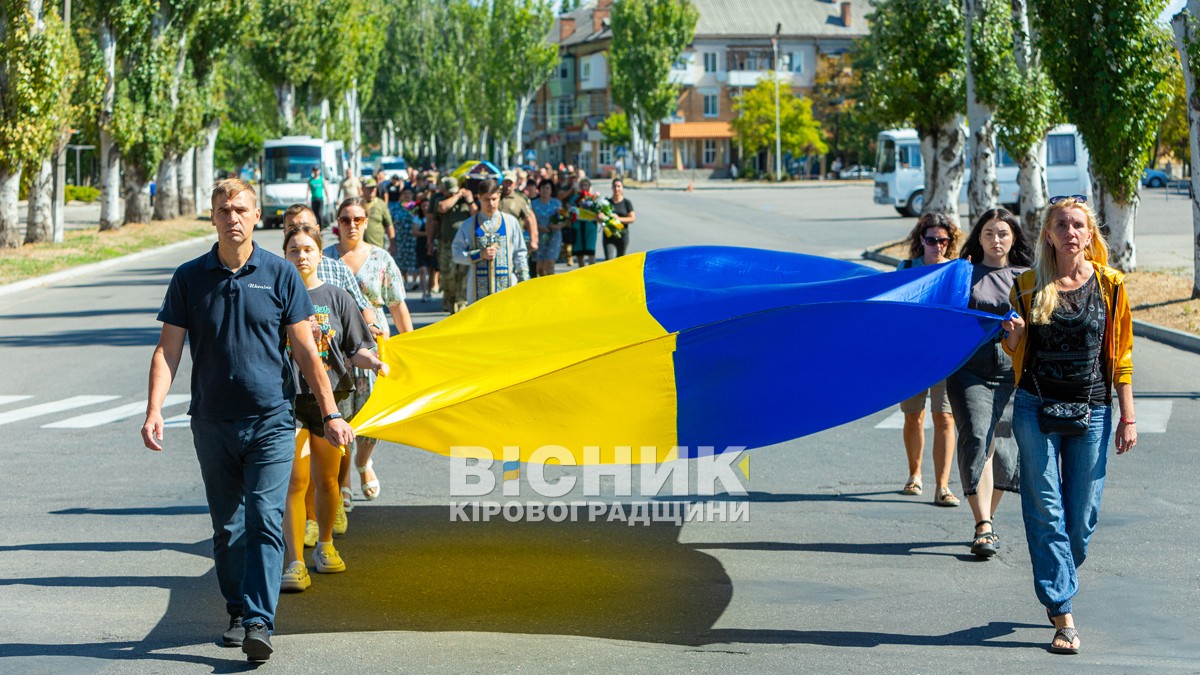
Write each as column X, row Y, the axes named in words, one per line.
column 981, row 391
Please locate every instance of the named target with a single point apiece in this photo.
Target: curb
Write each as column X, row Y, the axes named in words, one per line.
column 676, row 186
column 72, row 272
column 1168, row 336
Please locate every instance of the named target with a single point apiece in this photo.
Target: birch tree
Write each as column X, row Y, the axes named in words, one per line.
column 1186, row 25
column 1111, row 62
column 285, row 47
column 920, row 81
column 983, row 193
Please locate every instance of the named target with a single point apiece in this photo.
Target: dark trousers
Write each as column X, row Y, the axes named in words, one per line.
column 318, row 207
column 618, row 244
column 246, row 465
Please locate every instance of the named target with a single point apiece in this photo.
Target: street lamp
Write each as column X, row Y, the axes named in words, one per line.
column 775, row 70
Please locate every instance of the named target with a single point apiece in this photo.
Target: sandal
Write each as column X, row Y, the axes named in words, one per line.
column 945, row 498
column 912, row 487
column 370, row 488
column 1067, row 634
column 984, row 545
column 347, row 499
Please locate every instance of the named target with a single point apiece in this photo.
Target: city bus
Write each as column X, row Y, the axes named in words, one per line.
column 287, row 166
column 900, row 177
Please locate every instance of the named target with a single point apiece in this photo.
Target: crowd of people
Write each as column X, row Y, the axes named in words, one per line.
column 283, row 353
column 1032, row 410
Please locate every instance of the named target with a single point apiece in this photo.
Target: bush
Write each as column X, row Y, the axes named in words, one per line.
column 747, row 172
column 82, row 193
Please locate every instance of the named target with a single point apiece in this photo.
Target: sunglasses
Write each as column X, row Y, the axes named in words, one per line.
column 346, row 220
column 1082, row 199
column 936, row 241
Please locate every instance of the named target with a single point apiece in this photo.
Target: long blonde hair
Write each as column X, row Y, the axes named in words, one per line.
column 1045, row 293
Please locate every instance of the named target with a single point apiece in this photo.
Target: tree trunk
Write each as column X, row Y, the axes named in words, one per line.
column 355, row 129
column 137, row 195
column 324, row 119
column 1033, row 190
column 942, row 152
column 39, row 225
column 982, row 191
column 652, row 152
column 519, row 131
column 110, row 155
column 166, row 197
column 186, row 176
column 10, row 222
column 204, row 166
column 1185, row 36
column 285, row 100
column 1118, row 217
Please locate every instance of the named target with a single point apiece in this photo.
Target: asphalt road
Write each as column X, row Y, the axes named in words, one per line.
column 104, row 557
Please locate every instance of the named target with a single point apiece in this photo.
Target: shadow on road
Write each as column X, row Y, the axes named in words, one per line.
column 86, row 314
column 146, row 336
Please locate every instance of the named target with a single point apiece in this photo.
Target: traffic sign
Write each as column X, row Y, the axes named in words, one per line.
column 531, row 155
column 621, row 151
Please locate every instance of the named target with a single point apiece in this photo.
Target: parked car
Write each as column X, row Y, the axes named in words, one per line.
column 856, row 172
column 1154, row 178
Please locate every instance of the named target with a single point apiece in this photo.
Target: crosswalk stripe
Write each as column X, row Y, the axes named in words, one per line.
column 1152, row 417
column 177, row 422
column 52, row 407
column 113, row 414
column 12, row 399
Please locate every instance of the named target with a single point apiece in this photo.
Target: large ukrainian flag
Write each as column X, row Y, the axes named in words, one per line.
column 683, row 350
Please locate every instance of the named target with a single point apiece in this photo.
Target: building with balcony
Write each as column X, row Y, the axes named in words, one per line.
column 732, row 52
column 567, row 112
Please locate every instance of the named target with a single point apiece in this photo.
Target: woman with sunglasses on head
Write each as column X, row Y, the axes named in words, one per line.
column 1071, row 344
column 933, row 241
column 981, row 390
column 342, row 339
column 382, row 283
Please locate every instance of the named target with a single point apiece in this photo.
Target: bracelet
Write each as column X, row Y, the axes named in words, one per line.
column 331, row 417
column 1125, row 421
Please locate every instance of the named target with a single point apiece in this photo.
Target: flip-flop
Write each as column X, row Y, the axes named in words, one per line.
column 945, row 498
column 1069, row 635
column 912, row 488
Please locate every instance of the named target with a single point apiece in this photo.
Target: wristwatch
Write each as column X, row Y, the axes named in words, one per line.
column 331, row 417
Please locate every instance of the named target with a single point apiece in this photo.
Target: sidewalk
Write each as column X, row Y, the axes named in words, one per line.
column 726, row 184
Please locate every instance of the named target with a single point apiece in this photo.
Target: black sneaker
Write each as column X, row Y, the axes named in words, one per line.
column 257, row 644
column 233, row 636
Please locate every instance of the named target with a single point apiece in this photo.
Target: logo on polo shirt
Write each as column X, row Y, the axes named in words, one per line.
column 265, row 288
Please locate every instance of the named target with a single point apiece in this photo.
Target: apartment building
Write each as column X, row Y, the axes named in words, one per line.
column 731, row 52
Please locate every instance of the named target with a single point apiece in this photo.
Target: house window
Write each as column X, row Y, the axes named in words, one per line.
column 796, row 62
column 564, row 71
column 710, row 62
column 710, row 152
column 586, row 71
column 666, row 153
column 605, row 154
column 712, row 106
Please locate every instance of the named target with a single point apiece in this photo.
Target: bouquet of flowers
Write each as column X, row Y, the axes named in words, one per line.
column 562, row 218
column 592, row 206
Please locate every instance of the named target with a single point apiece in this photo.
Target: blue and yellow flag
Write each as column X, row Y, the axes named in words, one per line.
column 688, row 351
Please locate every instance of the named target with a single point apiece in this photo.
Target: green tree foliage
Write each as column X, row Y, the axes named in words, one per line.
column 1172, row 141
column 919, row 78
column 754, row 125
column 1111, row 61
column 286, row 41
column 615, row 128
column 838, row 105
column 38, row 69
column 648, row 35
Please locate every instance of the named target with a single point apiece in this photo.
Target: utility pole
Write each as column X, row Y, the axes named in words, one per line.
column 58, row 205
column 775, row 70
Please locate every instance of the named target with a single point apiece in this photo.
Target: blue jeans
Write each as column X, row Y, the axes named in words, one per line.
column 246, row 465
column 1062, row 478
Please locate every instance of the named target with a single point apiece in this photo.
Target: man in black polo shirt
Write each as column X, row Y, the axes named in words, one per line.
column 238, row 306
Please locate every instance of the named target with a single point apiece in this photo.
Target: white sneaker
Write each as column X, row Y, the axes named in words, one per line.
column 340, row 521
column 310, row 533
column 327, row 560
column 295, row 577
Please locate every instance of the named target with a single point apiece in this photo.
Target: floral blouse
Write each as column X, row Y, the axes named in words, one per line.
column 379, row 277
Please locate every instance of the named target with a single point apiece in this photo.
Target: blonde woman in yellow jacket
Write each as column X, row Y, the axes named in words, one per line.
column 1071, row 343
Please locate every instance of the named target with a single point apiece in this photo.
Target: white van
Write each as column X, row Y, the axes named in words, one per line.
column 900, row 177
column 287, row 167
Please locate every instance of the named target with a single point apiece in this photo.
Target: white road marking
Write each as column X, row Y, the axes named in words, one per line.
column 52, row 407
column 177, row 422
column 1152, row 416
column 113, row 414
column 12, row 399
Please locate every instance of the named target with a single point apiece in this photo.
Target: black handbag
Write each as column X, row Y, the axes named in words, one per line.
column 1065, row 419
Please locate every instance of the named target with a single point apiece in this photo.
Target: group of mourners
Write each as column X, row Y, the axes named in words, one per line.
column 283, row 354
column 1066, row 346
column 417, row 216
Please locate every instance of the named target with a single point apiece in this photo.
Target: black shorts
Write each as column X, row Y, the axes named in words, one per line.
column 308, row 413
